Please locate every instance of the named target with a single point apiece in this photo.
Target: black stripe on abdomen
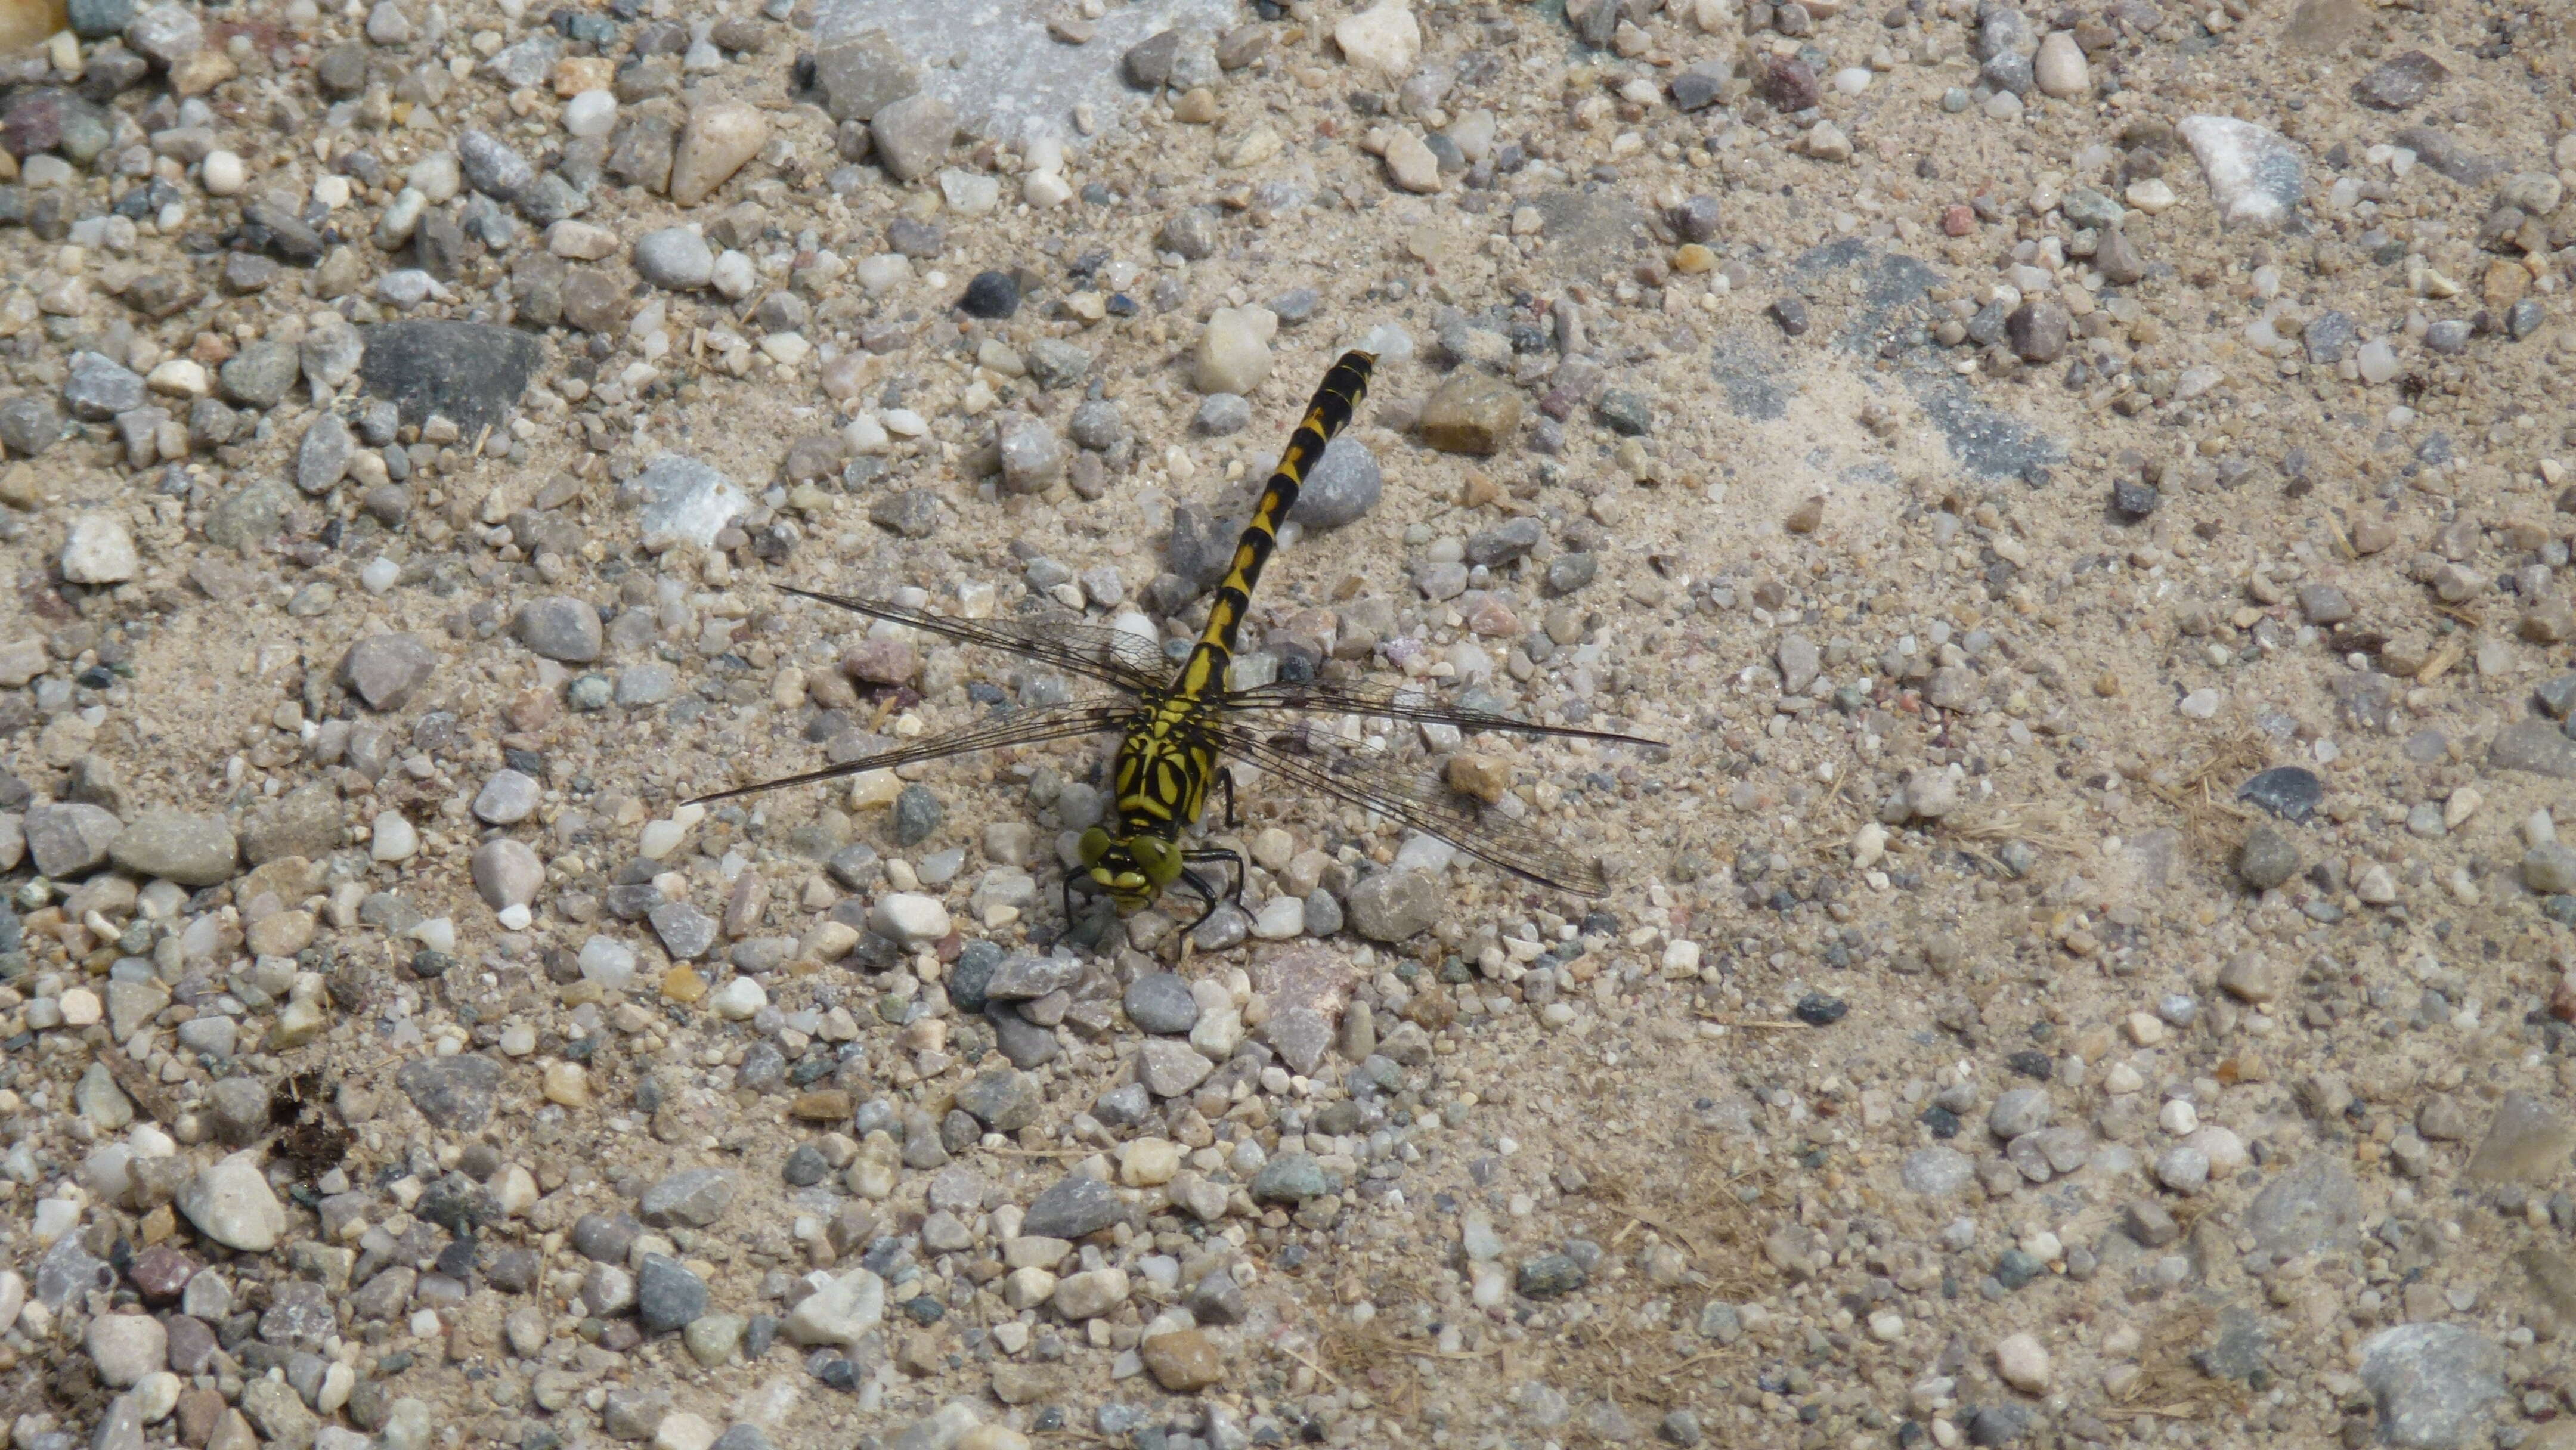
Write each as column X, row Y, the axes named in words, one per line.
column 1336, row 398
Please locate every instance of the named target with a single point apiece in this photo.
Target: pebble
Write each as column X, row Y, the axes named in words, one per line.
column 506, row 873
column 2267, row 858
column 911, row 135
column 2255, row 175
column 1472, row 413
column 1342, row 487
column 191, row 850
column 229, row 1201
column 2022, row 1363
column 2290, row 792
column 668, row 1294
column 840, row 1311
column 2059, row 68
column 1234, row 351
column 677, row 258
column 721, row 136
column 1161, row 1002
column 1384, row 38
column 99, row 549
column 2431, row 1381
column 992, row 295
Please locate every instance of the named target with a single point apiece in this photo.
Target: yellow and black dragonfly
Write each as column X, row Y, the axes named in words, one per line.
column 1175, row 727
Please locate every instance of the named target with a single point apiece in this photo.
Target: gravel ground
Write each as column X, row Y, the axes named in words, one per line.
column 2083, row 494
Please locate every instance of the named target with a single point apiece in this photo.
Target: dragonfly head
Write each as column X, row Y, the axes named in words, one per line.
column 1132, row 869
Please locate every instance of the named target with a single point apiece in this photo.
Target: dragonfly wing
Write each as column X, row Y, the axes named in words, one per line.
column 1111, row 656
column 1401, row 702
column 1393, row 788
column 1024, row 727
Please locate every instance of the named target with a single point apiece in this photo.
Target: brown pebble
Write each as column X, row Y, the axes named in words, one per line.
column 824, row 1105
column 1182, row 1362
column 1807, row 517
column 1480, row 776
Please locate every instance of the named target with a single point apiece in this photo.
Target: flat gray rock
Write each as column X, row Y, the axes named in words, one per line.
column 1009, row 78
column 470, row 373
column 454, row 1093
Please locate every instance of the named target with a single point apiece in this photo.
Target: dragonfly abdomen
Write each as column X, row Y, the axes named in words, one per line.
column 1336, row 398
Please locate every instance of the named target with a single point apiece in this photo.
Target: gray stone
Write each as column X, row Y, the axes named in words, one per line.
column 470, row 373
column 491, row 166
column 304, row 822
column 2550, row 868
column 1076, row 1207
column 674, row 257
column 1291, row 1178
column 560, row 628
column 454, row 1093
column 165, row 34
column 1056, row 363
column 2313, row 1208
column 259, row 375
column 2400, row 81
column 667, row 1294
column 1004, row 1101
column 1221, row 414
column 685, row 502
column 230, row 1202
column 1936, row 1171
column 2019, row 1111
column 695, row 1197
column 1301, row 1036
column 98, row 388
column 1396, row 905
column 1168, row 1068
column 685, row 932
column 29, row 424
column 912, row 135
column 385, row 670
column 2528, row 1141
column 2330, row 337
column 2267, row 859
column 191, row 850
column 1161, row 1002
column 2433, row 1383
column 323, row 457
column 2535, row 746
column 1023, row 977
column 506, row 799
column 863, row 75
column 1342, row 487
column 70, row 839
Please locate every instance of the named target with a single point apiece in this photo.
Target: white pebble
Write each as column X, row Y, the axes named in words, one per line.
column 609, row 962
column 661, row 838
column 222, row 174
column 2179, row 1118
column 438, row 934
column 734, row 275
column 739, row 998
column 1044, row 189
column 1851, row 80
column 2021, row 1361
column 396, row 838
column 592, row 113
column 377, row 578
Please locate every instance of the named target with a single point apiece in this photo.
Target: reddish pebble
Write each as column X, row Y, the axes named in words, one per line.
column 160, row 1272
column 1957, row 220
column 881, row 662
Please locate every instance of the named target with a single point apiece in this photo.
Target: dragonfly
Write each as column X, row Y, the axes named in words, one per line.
column 1177, row 726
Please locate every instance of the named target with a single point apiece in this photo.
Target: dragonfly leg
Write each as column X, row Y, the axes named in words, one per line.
column 1231, row 823
column 1206, row 858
